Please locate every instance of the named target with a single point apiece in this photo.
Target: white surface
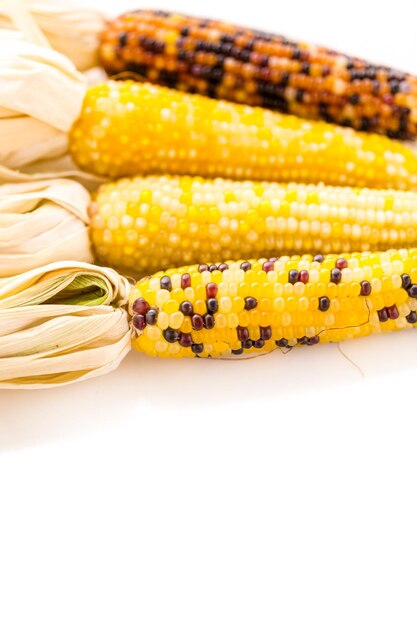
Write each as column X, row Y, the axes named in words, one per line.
column 279, row 490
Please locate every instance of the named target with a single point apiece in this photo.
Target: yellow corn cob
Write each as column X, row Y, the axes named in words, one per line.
column 144, row 224
column 127, row 128
column 257, row 306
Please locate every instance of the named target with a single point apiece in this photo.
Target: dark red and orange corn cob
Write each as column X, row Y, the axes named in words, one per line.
column 257, row 68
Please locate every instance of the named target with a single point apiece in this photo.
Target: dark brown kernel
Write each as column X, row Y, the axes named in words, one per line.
column 238, row 351
column 365, row 288
column 140, row 306
column 259, row 343
column 203, row 267
column 185, row 340
column 405, row 281
column 250, row 303
column 412, row 291
column 242, row 333
column 197, row 322
column 324, row 303
column 293, row 276
column 151, row 316
column 208, row 321
column 197, row 348
column 412, row 318
column 319, row 258
column 383, row 315
column 282, row 343
column 212, row 267
column 122, row 39
column 211, row 290
column 166, row 283
column 186, row 307
column 247, row 344
column 265, row 332
column 222, row 267
column 245, row 266
column 212, row 305
column 312, row 341
column 335, row 276
column 170, row 335
column 139, row 321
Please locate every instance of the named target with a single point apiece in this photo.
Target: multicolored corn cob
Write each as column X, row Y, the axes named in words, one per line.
column 251, row 307
column 128, row 128
column 144, row 224
column 243, row 65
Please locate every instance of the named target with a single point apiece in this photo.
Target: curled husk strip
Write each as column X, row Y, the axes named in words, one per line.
column 41, row 94
column 60, row 323
column 68, row 27
column 42, row 222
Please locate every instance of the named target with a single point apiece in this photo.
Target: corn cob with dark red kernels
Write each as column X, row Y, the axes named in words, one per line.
column 243, row 65
column 127, row 128
column 144, row 224
column 251, row 307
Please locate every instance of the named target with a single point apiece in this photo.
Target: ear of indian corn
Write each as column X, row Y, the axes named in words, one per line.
column 244, row 65
column 144, row 224
column 127, row 128
column 251, row 307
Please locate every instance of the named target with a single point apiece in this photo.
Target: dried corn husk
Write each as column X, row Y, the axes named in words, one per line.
column 41, row 94
column 66, row 26
column 61, row 323
column 42, row 222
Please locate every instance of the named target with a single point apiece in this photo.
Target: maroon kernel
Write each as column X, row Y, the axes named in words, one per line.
column 197, row 322
column 245, row 266
column 211, row 290
column 140, row 306
column 392, row 312
column 185, row 340
column 185, row 281
column 341, row 264
column 303, row 277
column 268, row 266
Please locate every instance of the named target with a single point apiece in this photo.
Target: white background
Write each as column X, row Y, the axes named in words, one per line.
column 280, row 490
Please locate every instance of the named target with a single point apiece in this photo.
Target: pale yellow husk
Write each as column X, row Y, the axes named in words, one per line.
column 69, row 27
column 41, row 94
column 61, row 323
column 42, row 222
